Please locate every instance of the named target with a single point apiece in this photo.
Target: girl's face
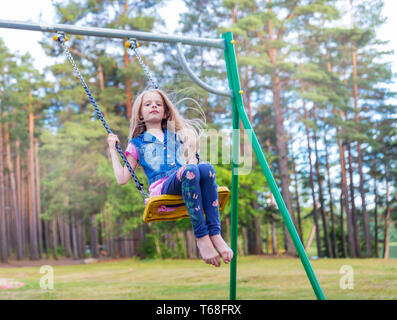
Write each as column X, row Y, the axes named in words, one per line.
column 153, row 109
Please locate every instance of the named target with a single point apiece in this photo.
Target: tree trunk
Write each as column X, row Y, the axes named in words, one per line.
column 127, row 81
column 101, row 77
column 19, row 183
column 79, row 236
column 267, row 239
column 255, row 233
column 320, row 190
column 331, row 204
column 342, row 225
column 24, row 211
column 279, row 241
column 94, row 237
column 227, row 229
column 14, row 195
column 356, row 231
column 315, row 204
column 191, row 246
column 3, row 227
column 61, row 235
column 121, row 240
column 103, row 232
column 68, row 244
column 130, row 244
column 8, row 213
column 310, row 239
column 46, row 238
column 74, row 238
column 251, row 238
column 281, row 137
column 258, row 236
column 335, row 244
column 33, row 241
column 82, row 238
column 376, row 211
column 244, row 233
column 38, row 199
column 274, row 236
column 111, row 235
column 246, row 90
column 54, row 237
column 367, row 234
column 298, row 208
column 350, row 231
column 257, row 247
column 34, row 251
column 352, row 247
column 387, row 218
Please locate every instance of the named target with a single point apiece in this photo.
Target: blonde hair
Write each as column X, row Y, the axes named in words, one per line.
column 188, row 130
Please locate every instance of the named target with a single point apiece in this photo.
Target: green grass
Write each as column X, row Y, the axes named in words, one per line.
column 257, row 278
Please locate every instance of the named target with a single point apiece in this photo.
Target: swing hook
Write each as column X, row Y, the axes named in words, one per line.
column 60, row 37
column 132, row 44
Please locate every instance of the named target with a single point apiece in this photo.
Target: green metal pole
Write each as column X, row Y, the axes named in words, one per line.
column 237, row 101
column 234, row 200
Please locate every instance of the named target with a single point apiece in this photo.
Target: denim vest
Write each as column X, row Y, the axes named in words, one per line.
column 159, row 159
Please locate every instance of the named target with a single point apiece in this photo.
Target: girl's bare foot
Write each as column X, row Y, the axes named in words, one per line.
column 222, row 247
column 207, row 251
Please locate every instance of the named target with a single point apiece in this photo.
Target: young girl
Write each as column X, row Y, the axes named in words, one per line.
column 164, row 144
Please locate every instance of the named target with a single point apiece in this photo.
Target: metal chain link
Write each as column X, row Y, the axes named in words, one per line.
column 61, row 40
column 134, row 48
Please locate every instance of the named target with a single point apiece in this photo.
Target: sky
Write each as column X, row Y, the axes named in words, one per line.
column 42, row 11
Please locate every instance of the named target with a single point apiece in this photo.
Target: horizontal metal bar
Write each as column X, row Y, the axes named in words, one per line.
column 196, row 79
column 111, row 33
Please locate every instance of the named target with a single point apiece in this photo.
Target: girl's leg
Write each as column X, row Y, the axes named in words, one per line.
column 186, row 181
column 209, row 189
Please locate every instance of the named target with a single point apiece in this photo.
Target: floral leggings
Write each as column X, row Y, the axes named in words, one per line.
column 198, row 187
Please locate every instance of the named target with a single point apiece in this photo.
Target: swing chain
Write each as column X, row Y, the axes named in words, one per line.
column 61, row 41
column 133, row 45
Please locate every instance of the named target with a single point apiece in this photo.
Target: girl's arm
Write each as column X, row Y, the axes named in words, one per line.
column 122, row 174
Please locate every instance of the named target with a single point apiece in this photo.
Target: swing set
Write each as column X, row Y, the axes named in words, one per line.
column 174, row 203
column 235, row 93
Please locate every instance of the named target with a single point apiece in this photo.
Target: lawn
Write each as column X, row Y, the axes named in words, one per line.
column 258, row 277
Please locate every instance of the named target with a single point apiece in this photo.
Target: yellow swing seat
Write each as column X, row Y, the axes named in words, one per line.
column 176, row 203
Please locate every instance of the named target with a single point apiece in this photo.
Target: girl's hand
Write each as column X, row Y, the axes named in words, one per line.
column 112, row 140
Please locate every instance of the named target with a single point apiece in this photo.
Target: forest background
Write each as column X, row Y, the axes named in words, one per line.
column 317, row 82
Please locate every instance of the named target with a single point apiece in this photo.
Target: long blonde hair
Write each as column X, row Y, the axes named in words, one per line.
column 188, row 130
